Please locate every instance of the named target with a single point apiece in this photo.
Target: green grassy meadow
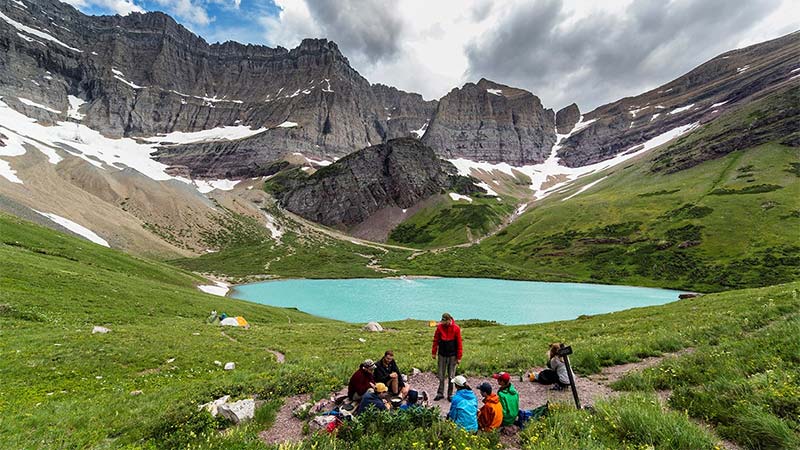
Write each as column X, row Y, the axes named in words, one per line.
column 64, row 387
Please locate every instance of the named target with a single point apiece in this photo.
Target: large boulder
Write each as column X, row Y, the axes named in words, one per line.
column 238, row 412
column 373, row 327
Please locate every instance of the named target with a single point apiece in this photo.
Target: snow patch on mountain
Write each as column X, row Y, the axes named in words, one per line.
column 120, row 76
column 498, row 92
column 585, row 188
column 218, row 288
column 37, row 105
column 75, row 104
column 457, row 197
column 35, row 32
column 551, row 169
column 89, row 145
column 419, row 133
column 681, row 109
column 229, row 133
column 75, row 228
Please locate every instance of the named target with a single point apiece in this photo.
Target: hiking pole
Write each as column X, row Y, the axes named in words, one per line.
column 565, row 351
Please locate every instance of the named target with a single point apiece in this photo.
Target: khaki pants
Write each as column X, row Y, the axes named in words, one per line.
column 446, row 366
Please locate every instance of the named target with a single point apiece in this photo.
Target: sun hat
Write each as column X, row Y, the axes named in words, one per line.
column 381, row 388
column 459, row 380
column 502, row 376
column 368, row 364
column 485, row 388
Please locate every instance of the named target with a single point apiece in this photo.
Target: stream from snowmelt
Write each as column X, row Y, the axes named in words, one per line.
column 504, row 301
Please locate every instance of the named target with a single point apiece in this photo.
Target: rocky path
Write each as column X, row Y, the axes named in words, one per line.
column 590, row 389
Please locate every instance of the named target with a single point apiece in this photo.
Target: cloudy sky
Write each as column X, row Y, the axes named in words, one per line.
column 564, row 51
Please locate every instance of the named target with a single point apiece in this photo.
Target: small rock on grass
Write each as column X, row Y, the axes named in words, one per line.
column 136, row 392
column 230, row 366
column 102, row 330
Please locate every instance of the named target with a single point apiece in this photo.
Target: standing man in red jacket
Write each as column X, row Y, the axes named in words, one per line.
column 447, row 347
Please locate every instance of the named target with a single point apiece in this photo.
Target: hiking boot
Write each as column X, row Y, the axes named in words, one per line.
column 438, row 397
column 425, row 396
column 557, row 387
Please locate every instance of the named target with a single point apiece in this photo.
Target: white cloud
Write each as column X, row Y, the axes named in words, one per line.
column 121, row 7
column 430, row 53
column 193, row 13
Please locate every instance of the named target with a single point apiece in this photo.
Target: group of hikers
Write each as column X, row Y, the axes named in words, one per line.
column 382, row 386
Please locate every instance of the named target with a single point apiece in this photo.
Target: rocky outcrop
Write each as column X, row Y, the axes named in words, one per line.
column 398, row 173
column 406, row 114
column 566, row 118
column 726, row 82
column 144, row 74
column 492, row 122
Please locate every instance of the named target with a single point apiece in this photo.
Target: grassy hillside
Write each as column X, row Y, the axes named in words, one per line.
column 64, row 387
column 687, row 216
column 451, row 222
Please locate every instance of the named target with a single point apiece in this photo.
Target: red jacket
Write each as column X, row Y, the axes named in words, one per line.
column 359, row 383
column 447, row 340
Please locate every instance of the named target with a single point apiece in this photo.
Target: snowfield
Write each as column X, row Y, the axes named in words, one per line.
column 76, row 228
column 81, row 141
column 552, row 169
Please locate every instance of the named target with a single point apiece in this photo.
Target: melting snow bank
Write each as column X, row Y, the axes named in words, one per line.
column 218, row 288
column 76, row 228
column 457, row 197
column 551, row 170
column 588, row 186
column 230, row 133
column 85, row 143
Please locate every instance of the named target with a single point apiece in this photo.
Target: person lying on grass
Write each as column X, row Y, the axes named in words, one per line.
column 464, row 406
column 387, row 372
column 556, row 372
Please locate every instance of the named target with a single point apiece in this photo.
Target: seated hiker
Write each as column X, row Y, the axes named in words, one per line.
column 361, row 380
column 374, row 398
column 509, row 398
column 490, row 417
column 464, row 406
column 411, row 400
column 387, row 372
column 556, row 372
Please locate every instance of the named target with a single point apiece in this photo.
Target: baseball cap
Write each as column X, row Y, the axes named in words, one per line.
column 459, row 380
column 381, row 388
column 485, row 388
column 368, row 364
column 502, row 376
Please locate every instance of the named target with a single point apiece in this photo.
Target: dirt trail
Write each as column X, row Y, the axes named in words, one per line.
column 590, row 389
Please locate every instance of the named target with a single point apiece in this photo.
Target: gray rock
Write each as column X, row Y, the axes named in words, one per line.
column 566, row 118
column 399, row 173
column 373, row 327
column 213, row 406
column 229, row 366
column 492, row 122
column 101, row 330
column 238, row 412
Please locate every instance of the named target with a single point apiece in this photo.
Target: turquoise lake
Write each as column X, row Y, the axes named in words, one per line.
column 504, row 301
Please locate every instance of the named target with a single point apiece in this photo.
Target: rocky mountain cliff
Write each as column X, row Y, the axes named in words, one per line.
column 492, row 122
column 398, row 173
column 144, row 74
column 702, row 95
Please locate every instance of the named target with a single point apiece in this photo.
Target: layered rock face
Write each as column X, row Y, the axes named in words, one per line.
column 566, row 118
column 725, row 82
column 398, row 173
column 144, row 74
column 492, row 122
